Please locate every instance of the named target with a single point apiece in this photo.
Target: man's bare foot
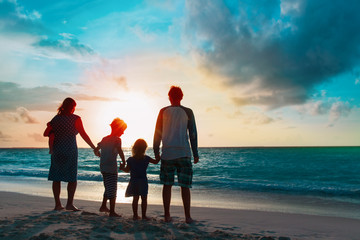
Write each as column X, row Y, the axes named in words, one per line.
column 104, row 209
column 189, row 220
column 168, row 219
column 72, row 208
column 146, row 218
column 136, row 217
column 114, row 214
column 59, row 208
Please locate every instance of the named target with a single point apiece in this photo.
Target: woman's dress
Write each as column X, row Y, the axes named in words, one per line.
column 64, row 159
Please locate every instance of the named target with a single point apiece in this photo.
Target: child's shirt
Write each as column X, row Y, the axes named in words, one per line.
column 108, row 158
column 138, row 167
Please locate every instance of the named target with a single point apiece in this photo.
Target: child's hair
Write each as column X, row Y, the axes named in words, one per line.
column 67, row 105
column 139, row 148
column 175, row 93
column 118, row 124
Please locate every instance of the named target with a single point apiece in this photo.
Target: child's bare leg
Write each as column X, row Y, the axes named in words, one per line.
column 135, row 207
column 71, row 188
column 112, row 208
column 144, row 207
column 103, row 207
column 56, row 188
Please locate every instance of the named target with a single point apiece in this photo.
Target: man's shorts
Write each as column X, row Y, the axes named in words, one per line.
column 182, row 166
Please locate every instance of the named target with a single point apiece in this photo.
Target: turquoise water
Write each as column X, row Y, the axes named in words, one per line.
column 257, row 178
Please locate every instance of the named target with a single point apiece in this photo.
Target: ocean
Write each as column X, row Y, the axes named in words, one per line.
column 310, row 180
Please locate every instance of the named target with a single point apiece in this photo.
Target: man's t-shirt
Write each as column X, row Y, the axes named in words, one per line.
column 174, row 127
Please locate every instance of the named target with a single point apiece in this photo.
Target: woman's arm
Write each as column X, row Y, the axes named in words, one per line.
column 97, row 151
column 47, row 130
column 80, row 128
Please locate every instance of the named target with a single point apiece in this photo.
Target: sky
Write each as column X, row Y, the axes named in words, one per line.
column 255, row 73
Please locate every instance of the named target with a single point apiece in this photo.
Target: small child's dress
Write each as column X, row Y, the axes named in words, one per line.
column 138, row 184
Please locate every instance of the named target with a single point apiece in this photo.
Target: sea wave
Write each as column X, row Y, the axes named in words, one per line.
column 325, row 172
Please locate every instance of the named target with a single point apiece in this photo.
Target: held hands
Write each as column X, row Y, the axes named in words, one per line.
column 97, row 152
column 122, row 166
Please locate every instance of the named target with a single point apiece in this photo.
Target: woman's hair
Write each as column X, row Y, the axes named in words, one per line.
column 118, row 124
column 175, row 93
column 139, row 148
column 67, row 106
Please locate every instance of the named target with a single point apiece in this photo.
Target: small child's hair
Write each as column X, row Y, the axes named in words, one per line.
column 139, row 148
column 118, row 124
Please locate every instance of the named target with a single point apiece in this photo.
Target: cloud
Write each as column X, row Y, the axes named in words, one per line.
column 213, row 109
column 315, row 108
column 333, row 107
column 252, row 118
column 274, row 53
column 141, row 34
column 64, row 48
column 108, row 74
column 24, row 115
column 122, row 82
column 257, row 118
column 37, row 137
column 13, row 96
column 5, row 137
column 21, row 115
column 338, row 110
column 17, row 24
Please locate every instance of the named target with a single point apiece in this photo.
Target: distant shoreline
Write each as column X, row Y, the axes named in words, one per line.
column 229, row 147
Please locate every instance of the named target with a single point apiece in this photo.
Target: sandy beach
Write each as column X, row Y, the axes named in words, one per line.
column 31, row 217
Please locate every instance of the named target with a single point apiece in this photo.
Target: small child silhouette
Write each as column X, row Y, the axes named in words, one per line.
column 107, row 150
column 138, row 184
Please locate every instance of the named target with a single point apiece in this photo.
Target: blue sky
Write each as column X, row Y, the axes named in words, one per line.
column 256, row 73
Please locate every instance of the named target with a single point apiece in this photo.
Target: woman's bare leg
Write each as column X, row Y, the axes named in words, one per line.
column 71, row 188
column 56, row 188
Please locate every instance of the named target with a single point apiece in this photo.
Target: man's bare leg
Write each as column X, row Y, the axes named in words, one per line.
column 186, row 198
column 166, row 202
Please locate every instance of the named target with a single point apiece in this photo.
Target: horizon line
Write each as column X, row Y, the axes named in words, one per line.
column 295, row 146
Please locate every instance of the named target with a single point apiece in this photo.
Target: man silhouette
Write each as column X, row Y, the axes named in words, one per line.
column 175, row 126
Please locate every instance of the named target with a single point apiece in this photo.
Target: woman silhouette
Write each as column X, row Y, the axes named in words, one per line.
column 64, row 158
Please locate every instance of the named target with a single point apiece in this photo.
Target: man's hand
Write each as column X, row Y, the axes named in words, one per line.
column 157, row 157
column 196, row 160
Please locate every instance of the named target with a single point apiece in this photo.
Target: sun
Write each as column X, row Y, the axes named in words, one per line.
column 138, row 111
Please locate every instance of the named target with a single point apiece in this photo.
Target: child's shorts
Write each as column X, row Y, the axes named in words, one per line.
column 182, row 166
column 110, row 184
